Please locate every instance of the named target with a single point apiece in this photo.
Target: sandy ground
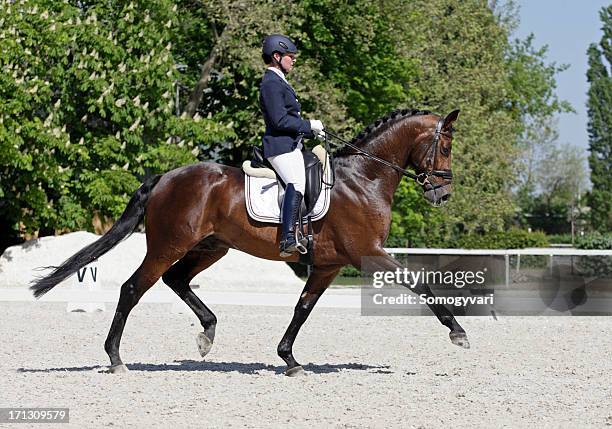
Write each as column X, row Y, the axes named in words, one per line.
column 362, row 371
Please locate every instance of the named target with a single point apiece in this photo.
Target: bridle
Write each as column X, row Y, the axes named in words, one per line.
column 421, row 178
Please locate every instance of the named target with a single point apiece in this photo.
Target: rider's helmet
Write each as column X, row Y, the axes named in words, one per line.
column 277, row 43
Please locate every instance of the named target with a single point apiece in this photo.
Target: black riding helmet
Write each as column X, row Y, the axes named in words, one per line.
column 278, row 43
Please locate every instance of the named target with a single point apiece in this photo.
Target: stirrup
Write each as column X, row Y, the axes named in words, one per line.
column 301, row 247
column 300, row 241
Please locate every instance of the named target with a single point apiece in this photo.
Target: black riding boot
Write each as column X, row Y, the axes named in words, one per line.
column 290, row 211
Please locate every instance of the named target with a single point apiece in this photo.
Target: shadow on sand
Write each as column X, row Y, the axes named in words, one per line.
column 208, row 366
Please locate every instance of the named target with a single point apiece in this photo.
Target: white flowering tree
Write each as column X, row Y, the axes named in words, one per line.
column 87, row 109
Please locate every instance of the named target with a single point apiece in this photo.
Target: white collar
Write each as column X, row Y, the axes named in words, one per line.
column 279, row 73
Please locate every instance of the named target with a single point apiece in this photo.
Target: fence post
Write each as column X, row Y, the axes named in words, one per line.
column 507, row 260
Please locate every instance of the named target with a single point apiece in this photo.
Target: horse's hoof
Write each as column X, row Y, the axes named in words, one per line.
column 118, row 369
column 460, row 339
column 204, row 344
column 296, row 371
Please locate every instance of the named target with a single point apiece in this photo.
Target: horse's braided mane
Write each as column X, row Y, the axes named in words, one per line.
column 380, row 125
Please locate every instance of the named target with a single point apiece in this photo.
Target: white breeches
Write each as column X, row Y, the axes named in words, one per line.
column 290, row 167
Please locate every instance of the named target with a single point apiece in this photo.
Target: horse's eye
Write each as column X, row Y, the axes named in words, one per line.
column 444, row 151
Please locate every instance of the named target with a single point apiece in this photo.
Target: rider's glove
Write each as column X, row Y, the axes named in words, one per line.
column 317, row 128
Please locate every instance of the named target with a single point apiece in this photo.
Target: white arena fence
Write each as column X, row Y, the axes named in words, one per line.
column 512, row 257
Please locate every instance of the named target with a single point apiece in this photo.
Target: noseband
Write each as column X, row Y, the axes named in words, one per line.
column 421, row 178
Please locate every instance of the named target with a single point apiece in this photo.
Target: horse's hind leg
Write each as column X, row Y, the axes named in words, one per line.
column 178, row 278
column 131, row 291
column 316, row 284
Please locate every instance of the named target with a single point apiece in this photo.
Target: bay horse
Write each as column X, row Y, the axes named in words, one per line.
column 195, row 213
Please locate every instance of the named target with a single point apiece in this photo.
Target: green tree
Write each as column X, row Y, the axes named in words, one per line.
column 86, row 109
column 559, row 181
column 355, row 46
column 466, row 60
column 600, row 117
column 538, row 136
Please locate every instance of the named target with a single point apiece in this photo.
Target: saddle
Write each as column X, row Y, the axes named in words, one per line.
column 319, row 181
column 313, row 166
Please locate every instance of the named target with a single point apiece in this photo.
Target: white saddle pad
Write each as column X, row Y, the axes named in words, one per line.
column 261, row 196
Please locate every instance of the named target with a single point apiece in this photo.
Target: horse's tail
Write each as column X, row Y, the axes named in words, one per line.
column 131, row 217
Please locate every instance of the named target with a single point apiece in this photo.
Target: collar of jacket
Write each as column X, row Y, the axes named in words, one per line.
column 279, row 73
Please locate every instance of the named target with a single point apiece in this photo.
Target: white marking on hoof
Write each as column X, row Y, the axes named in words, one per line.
column 460, row 339
column 296, row 371
column 118, row 369
column 204, row 344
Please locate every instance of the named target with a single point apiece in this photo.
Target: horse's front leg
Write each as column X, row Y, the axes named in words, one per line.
column 316, row 284
column 457, row 334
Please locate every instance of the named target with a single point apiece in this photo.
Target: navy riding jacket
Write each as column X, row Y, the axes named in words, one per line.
column 281, row 111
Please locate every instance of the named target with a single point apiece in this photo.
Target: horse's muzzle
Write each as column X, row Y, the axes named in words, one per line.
column 438, row 195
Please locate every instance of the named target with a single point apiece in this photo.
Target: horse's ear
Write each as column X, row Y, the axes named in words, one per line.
column 450, row 118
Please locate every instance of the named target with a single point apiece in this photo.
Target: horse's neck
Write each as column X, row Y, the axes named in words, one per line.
column 374, row 178
column 393, row 145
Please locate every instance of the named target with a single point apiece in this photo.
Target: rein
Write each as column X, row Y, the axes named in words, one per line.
column 421, row 178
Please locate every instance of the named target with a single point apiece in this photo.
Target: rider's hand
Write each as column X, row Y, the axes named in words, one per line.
column 320, row 136
column 317, row 128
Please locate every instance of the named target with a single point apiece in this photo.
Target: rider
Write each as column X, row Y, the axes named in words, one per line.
column 285, row 129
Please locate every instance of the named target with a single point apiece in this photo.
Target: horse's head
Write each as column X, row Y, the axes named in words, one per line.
column 432, row 157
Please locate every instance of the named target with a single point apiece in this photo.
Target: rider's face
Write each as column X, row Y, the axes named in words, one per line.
column 286, row 60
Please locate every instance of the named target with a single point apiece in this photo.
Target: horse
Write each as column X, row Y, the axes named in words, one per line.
column 194, row 214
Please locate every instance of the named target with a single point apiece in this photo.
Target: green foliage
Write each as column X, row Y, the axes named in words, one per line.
column 594, row 241
column 414, row 222
column 510, row 239
column 464, row 66
column 532, row 82
column 465, row 60
column 600, row 117
column 551, row 175
column 349, row 271
column 552, row 180
column 559, row 238
column 356, row 47
column 596, row 266
column 86, row 109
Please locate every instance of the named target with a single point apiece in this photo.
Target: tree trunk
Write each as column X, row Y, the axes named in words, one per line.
column 198, row 93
